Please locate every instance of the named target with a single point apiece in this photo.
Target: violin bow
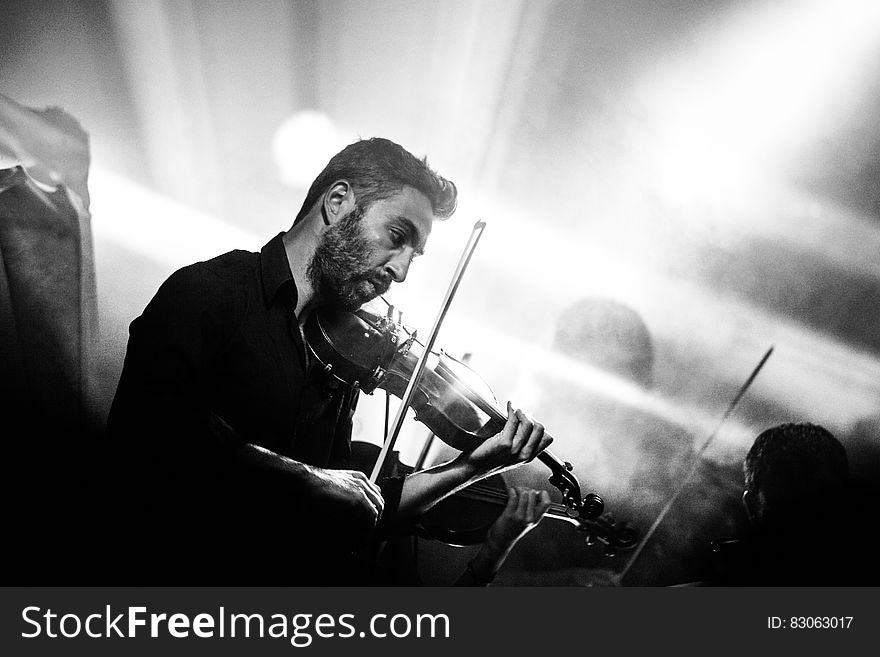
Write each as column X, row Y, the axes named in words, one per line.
column 391, row 437
column 696, row 463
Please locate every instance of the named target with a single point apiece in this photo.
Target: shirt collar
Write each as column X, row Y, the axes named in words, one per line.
column 275, row 270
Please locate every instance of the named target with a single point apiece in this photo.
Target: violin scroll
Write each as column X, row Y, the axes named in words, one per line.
column 589, row 506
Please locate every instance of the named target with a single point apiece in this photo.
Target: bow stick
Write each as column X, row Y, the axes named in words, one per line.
column 391, row 438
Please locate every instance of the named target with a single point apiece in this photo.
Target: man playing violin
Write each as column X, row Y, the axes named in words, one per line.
column 234, row 451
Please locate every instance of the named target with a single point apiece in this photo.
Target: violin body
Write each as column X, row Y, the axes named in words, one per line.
column 372, row 351
column 369, row 351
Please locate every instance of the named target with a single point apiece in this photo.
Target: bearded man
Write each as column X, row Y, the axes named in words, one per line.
column 232, row 451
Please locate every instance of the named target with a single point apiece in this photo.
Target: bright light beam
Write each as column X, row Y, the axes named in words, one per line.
column 731, row 114
column 160, row 229
column 812, row 373
column 598, row 382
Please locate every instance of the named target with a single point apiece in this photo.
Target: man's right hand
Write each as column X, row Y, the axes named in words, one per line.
column 344, row 502
column 348, row 493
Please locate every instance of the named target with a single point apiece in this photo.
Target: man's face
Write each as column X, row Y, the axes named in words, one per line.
column 363, row 252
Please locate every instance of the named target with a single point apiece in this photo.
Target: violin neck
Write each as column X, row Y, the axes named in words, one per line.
column 552, row 461
column 562, row 477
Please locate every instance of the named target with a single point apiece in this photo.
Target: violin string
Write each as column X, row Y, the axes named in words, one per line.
column 492, row 495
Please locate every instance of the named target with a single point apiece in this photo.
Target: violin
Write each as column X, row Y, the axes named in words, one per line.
column 370, row 351
column 464, row 518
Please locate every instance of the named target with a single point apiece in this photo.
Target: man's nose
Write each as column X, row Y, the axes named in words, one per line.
column 398, row 266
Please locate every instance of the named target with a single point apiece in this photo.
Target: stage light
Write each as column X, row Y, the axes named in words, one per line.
column 303, row 144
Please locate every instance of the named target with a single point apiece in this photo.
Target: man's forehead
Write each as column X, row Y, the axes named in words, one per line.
column 413, row 201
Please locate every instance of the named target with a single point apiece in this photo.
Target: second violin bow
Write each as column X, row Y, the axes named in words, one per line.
column 697, row 458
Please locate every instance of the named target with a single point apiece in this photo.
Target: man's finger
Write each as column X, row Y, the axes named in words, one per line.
column 364, row 509
column 530, row 506
column 511, row 500
column 523, row 432
column 510, row 426
column 522, row 501
column 373, row 492
column 543, row 504
column 375, row 497
column 536, row 442
column 363, row 477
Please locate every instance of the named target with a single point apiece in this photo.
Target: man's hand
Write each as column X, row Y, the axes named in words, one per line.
column 341, row 506
column 348, row 494
column 521, row 440
column 524, row 510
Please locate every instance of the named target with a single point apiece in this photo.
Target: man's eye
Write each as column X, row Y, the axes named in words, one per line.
column 397, row 236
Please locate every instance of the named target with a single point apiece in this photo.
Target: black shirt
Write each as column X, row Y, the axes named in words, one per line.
column 219, row 347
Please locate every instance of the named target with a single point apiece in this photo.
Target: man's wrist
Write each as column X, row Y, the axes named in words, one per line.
column 469, row 467
column 495, row 548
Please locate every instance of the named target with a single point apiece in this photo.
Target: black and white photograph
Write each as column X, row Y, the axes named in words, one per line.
column 429, row 294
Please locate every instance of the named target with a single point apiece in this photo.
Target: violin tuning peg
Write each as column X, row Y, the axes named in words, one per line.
column 610, row 551
column 592, row 506
column 568, row 466
column 590, row 540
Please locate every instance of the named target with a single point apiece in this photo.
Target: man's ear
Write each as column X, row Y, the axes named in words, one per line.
column 338, row 201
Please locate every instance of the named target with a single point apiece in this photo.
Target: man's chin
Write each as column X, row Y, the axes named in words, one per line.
column 357, row 295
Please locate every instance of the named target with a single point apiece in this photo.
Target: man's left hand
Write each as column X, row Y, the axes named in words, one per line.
column 524, row 510
column 520, row 441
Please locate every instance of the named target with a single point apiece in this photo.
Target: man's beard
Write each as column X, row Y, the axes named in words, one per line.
column 340, row 271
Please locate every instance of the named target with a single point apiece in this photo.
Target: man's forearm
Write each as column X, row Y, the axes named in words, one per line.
column 425, row 488
column 345, row 494
column 284, row 476
column 482, row 568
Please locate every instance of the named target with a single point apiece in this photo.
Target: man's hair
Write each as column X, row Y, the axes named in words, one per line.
column 795, row 464
column 378, row 169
